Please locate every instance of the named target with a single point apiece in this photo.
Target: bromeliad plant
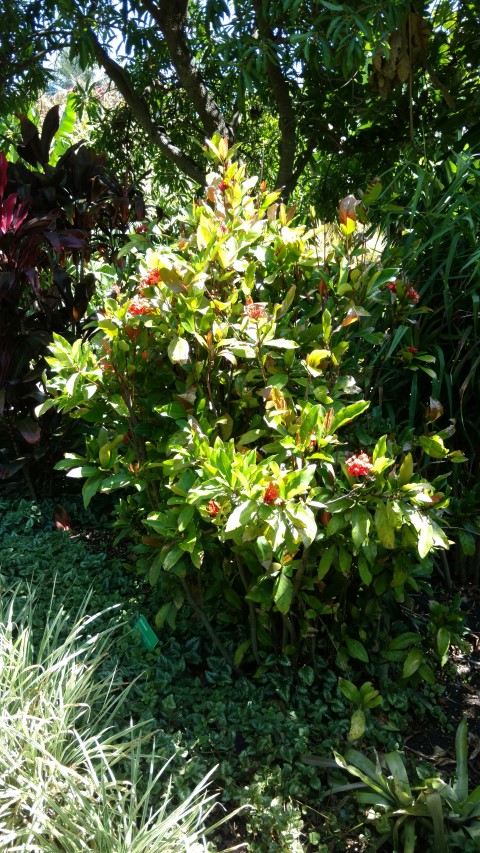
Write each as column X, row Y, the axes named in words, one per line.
column 408, row 813
column 226, row 406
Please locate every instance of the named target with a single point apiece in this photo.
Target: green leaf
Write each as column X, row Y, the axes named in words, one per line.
column 283, row 592
column 249, row 436
column 461, row 750
column 304, row 521
column 425, row 538
column 406, row 470
column 326, row 325
column 443, row 640
column 347, row 414
column 281, row 343
column 350, row 691
column 185, row 517
column 287, row 301
column 467, row 543
column 155, row 570
column 40, row 410
column 241, row 515
column 413, row 660
column 380, row 449
column 241, row 651
column 427, row 673
column 356, row 649
column 403, row 641
column 178, row 351
column 434, row 446
column 360, row 520
column 315, row 358
column 433, row 801
column 357, row 725
column 172, row 558
column 344, row 560
column 384, row 526
column 326, row 561
column 364, row 571
column 91, row 487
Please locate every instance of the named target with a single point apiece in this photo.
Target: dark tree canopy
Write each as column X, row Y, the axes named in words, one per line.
column 309, row 80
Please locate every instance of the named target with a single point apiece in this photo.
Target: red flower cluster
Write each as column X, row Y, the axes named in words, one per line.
column 413, row 350
column 271, row 494
column 254, row 310
column 222, row 186
column 141, row 229
column 213, row 508
column 139, row 305
column 410, row 294
column 152, row 277
column 360, row 465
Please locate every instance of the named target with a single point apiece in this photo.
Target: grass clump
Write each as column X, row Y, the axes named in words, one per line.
column 71, row 780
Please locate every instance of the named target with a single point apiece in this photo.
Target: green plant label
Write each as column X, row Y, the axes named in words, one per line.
column 149, row 637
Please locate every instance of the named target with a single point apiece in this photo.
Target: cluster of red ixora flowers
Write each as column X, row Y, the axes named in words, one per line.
column 151, row 278
column 270, row 496
column 140, row 305
column 254, row 310
column 359, row 465
column 411, row 293
column 412, row 350
column 213, row 508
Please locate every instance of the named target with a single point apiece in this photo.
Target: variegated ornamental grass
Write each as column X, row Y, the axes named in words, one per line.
column 70, row 779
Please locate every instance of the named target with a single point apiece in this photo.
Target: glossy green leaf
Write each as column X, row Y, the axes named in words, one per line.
column 413, row 660
column 356, row 649
column 283, row 592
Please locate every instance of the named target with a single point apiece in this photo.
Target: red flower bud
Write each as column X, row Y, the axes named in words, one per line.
column 213, row 508
column 271, row 494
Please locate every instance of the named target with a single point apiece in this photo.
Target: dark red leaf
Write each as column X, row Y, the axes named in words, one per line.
column 29, row 429
column 3, row 173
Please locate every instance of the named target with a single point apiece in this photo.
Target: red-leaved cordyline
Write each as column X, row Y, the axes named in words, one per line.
column 271, row 494
column 360, row 465
column 213, row 508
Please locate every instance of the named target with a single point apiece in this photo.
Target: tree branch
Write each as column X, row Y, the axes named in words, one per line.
column 141, row 113
column 170, row 15
column 286, row 114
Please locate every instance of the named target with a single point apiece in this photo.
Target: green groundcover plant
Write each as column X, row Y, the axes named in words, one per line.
column 229, row 404
column 263, row 732
column 71, row 779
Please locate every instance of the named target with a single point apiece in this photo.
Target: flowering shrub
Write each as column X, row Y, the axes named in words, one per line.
column 225, row 400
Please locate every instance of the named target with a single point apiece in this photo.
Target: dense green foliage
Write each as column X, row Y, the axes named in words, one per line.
column 266, row 733
column 268, row 403
column 330, row 88
column 223, row 399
